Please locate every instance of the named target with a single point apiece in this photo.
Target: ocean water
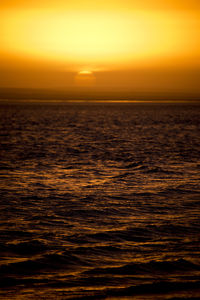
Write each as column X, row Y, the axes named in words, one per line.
column 99, row 201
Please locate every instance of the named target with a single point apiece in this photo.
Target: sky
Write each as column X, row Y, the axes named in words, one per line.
column 139, row 48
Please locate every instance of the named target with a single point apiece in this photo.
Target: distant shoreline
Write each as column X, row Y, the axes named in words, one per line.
column 71, row 102
column 27, row 101
column 91, row 96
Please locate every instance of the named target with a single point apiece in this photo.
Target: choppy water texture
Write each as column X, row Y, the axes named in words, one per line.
column 100, row 201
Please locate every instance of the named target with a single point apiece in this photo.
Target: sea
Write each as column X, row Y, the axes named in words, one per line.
column 99, row 200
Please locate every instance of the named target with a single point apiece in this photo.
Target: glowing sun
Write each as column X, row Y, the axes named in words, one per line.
column 85, row 78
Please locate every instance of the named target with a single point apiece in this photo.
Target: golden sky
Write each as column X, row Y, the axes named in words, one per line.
column 140, row 45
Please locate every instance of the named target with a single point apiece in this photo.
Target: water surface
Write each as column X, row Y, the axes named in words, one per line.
column 100, row 201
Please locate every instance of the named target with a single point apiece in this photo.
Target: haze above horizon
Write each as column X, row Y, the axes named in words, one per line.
column 105, row 46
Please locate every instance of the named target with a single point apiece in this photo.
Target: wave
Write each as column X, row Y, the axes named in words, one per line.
column 99, row 201
column 49, row 262
column 180, row 265
column 162, row 288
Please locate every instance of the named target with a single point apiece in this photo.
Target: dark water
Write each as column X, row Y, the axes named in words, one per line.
column 100, row 201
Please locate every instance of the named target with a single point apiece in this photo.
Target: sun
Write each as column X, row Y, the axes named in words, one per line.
column 85, row 78
column 85, row 72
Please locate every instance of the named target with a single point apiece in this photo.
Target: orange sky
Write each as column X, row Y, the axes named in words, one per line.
column 138, row 46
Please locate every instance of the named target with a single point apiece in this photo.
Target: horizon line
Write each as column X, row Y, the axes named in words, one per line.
column 95, row 101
